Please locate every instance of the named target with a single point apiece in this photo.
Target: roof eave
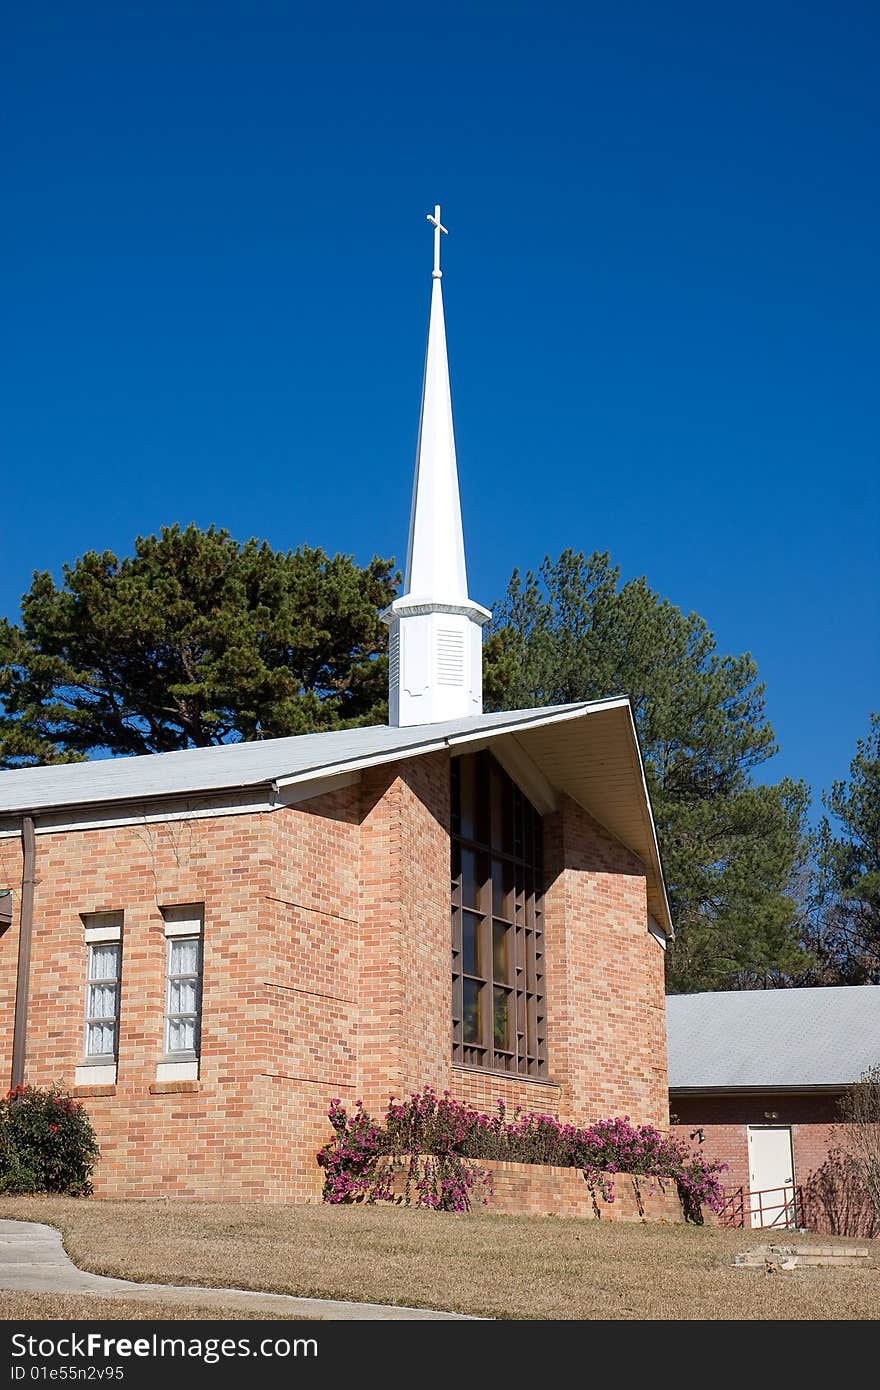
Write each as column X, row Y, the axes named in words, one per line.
column 789, row 1089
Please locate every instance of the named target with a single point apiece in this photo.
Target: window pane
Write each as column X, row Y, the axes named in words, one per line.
column 470, row 943
column 102, row 1001
column 501, row 963
column 184, row 956
column 502, row 889
column 181, row 1035
column 474, row 874
column 500, row 1018
column 482, row 810
column 472, row 1027
column 182, row 996
column 103, row 962
column 101, row 1040
column 466, row 797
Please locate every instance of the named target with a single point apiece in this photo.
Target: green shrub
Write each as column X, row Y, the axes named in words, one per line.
column 47, row 1143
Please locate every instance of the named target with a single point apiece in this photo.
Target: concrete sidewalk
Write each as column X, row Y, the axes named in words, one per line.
column 33, row 1260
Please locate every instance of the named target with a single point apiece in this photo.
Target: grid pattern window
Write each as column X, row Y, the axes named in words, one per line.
column 498, row 1010
column 102, row 1000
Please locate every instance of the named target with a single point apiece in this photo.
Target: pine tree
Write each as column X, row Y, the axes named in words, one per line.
column 730, row 846
column 848, row 869
column 195, row 639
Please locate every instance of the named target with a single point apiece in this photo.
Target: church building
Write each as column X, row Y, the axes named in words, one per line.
column 207, row 946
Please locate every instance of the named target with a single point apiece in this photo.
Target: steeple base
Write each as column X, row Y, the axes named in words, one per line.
column 435, row 659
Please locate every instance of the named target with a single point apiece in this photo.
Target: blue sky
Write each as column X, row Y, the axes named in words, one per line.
column 661, row 282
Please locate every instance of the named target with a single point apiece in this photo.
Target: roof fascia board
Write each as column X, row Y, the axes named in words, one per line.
column 397, row 755
column 293, row 793
column 652, row 828
column 806, row 1088
column 149, row 812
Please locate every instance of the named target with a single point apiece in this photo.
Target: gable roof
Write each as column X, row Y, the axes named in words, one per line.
column 589, row 750
column 772, row 1038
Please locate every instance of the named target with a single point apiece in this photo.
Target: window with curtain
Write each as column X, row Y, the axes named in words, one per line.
column 183, row 990
column 102, row 1001
column 498, row 1012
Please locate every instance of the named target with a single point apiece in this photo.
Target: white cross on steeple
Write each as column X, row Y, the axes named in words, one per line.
column 438, row 228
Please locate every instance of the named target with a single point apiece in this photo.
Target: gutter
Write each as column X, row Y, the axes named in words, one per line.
column 25, row 932
column 721, row 1092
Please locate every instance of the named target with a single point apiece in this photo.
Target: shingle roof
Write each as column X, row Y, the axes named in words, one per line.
column 233, row 765
column 784, row 1038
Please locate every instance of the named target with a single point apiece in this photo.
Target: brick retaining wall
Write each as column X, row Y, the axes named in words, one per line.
column 530, row 1189
column 536, row 1189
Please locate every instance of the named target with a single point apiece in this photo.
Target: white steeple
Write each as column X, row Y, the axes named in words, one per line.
column 435, row 637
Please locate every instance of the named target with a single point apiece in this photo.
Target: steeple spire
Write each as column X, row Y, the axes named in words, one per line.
column 435, row 564
column 435, row 640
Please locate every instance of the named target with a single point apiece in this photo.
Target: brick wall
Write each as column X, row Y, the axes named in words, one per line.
column 524, row 1189
column 605, row 988
column 326, row 972
column 538, row 1189
column 201, row 1139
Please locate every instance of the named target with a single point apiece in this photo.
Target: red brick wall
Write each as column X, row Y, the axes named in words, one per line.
column 816, row 1134
column 326, row 972
column 605, row 990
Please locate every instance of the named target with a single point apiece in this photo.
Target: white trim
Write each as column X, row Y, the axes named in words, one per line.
column 79, row 819
column 185, row 919
column 657, row 932
column 192, row 928
column 408, row 606
column 177, row 1071
column 291, row 794
column 95, row 934
column 319, row 774
column 95, row 1074
column 647, row 811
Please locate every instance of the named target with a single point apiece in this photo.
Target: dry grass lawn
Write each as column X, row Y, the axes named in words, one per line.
column 496, row 1266
column 56, row 1307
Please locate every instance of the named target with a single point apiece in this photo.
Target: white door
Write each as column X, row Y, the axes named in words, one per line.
column 771, row 1176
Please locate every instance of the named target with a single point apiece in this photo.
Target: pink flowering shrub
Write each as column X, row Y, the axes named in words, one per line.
column 433, row 1141
column 421, row 1140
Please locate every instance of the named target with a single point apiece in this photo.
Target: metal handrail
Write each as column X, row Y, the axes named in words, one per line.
column 788, row 1211
column 741, row 1202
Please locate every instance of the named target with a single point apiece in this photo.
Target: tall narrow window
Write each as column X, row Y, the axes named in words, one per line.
column 102, row 1001
column 184, row 996
column 498, row 1014
column 183, row 985
column 103, row 971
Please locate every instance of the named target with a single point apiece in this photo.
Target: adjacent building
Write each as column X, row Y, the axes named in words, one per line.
column 759, row 1075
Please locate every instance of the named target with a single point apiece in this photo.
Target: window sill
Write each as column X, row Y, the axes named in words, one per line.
column 508, row 1075
column 174, row 1088
column 86, row 1092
